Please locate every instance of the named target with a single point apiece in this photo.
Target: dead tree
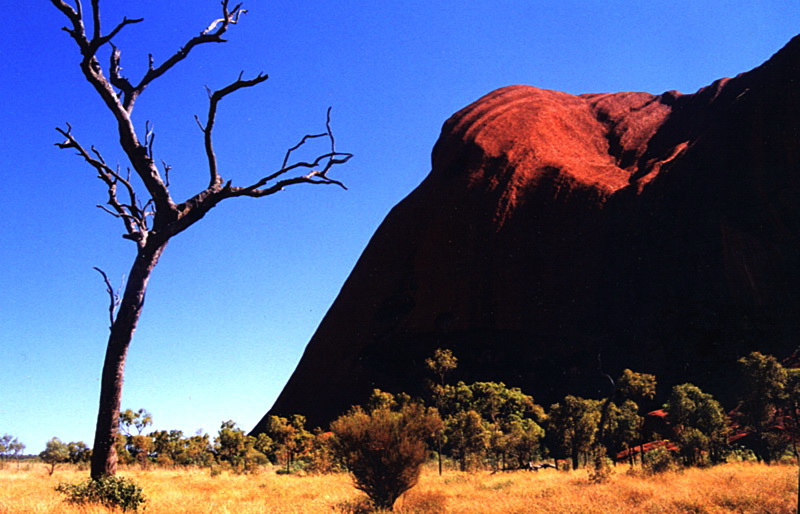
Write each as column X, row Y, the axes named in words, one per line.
column 152, row 217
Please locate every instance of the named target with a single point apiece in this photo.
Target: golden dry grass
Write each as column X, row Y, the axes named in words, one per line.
column 739, row 487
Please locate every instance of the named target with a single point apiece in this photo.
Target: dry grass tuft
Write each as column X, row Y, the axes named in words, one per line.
column 742, row 487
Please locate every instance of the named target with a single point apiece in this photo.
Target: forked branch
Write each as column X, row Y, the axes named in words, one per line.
column 213, row 101
column 133, row 216
column 323, row 164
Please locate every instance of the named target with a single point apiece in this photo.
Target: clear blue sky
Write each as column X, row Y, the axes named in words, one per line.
column 235, row 299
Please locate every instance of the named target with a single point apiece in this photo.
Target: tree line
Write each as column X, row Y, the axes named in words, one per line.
column 484, row 425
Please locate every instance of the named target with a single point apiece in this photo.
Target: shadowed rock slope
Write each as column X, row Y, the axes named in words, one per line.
column 657, row 232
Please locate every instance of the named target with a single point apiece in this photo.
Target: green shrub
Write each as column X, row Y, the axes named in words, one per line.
column 659, row 460
column 600, row 471
column 109, row 491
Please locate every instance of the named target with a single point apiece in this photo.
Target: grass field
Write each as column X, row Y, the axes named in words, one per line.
column 742, row 487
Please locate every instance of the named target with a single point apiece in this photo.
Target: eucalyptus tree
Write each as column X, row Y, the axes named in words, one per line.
column 764, row 403
column 573, row 425
column 700, row 423
column 618, row 427
column 55, row 452
column 152, row 217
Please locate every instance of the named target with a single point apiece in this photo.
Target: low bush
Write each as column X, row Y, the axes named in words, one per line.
column 384, row 450
column 659, row 460
column 601, row 471
column 109, row 491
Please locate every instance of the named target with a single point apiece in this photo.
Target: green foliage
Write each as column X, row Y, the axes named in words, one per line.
column 496, row 402
column 701, row 424
column 9, row 447
column 619, row 422
column 234, row 447
column 659, row 460
column 172, row 448
column 290, row 439
column 484, row 419
column 109, row 491
column 384, row 449
column 79, row 453
column 489, row 416
column 573, row 424
column 124, row 456
column 139, row 420
column 633, row 385
column 493, row 401
column 55, row 452
column 623, row 425
column 133, row 446
column 601, row 467
column 442, row 363
column 383, row 400
column 766, row 398
column 519, row 441
column 467, row 438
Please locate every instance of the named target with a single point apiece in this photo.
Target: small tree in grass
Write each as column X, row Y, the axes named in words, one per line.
column 9, row 447
column 289, row 439
column 384, row 449
column 234, row 447
column 468, row 438
column 55, row 452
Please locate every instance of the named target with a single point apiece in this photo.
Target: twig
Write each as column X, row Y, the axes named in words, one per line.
column 114, row 298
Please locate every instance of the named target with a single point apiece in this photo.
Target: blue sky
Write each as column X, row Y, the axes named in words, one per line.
column 235, row 299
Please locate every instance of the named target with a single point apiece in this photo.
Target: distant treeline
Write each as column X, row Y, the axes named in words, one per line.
column 491, row 425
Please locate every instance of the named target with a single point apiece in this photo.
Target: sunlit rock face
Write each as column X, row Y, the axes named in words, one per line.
column 556, row 232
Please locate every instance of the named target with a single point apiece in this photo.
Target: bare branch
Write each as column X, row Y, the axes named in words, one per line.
column 297, row 146
column 120, row 105
column 233, row 18
column 214, row 99
column 314, row 177
column 317, row 176
column 116, row 214
column 212, row 34
column 68, row 11
column 114, row 298
column 167, row 168
column 114, row 176
column 134, row 219
column 96, row 19
column 149, row 136
column 99, row 41
column 78, row 32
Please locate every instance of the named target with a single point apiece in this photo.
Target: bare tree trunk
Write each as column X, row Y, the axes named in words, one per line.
column 104, row 454
column 168, row 217
column 439, row 454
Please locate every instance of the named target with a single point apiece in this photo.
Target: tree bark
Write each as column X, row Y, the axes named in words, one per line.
column 104, row 454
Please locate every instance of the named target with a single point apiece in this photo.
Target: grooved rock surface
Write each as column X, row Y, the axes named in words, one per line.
column 655, row 232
